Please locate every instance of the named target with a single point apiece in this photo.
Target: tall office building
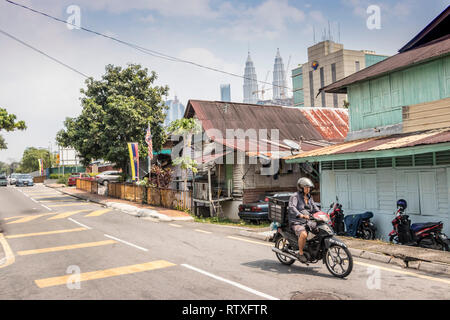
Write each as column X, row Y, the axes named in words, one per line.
column 225, row 93
column 250, row 82
column 328, row 62
column 279, row 78
column 175, row 111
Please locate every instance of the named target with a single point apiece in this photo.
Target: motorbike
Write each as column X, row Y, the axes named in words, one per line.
column 357, row 225
column 320, row 245
column 426, row 235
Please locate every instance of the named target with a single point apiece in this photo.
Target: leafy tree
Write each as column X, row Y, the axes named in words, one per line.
column 116, row 110
column 30, row 159
column 186, row 128
column 8, row 123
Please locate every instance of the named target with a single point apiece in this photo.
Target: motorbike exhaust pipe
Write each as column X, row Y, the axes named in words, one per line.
column 284, row 253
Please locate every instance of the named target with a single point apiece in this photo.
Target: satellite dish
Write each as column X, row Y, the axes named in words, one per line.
column 291, row 144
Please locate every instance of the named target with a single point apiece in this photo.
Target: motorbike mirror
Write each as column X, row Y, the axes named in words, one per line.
column 331, row 205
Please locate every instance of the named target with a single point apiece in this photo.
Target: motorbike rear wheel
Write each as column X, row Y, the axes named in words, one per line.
column 339, row 261
column 281, row 244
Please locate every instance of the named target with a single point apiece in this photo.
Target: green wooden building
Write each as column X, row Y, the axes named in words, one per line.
column 398, row 144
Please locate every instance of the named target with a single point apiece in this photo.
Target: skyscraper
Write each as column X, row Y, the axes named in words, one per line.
column 250, row 82
column 225, row 93
column 279, row 79
column 175, row 111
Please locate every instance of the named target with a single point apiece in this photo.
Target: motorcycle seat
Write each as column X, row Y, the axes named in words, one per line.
column 419, row 226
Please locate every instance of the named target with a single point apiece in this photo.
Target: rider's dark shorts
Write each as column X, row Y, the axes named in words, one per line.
column 298, row 228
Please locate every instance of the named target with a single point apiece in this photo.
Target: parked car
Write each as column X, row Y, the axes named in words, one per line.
column 3, row 180
column 13, row 177
column 24, row 180
column 73, row 178
column 259, row 211
column 107, row 176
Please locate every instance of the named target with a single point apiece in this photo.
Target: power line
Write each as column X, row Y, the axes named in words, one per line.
column 41, row 52
column 140, row 48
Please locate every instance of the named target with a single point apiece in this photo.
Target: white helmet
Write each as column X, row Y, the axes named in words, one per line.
column 304, row 182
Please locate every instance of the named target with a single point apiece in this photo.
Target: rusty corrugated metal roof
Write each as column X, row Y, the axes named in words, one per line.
column 421, row 54
column 397, row 141
column 314, row 124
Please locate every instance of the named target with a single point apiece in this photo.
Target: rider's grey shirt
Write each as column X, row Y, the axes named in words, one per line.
column 297, row 205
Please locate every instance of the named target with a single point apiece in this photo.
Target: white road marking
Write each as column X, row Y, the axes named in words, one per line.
column 34, row 200
column 83, row 225
column 126, row 242
column 198, row 230
column 175, row 225
column 263, row 295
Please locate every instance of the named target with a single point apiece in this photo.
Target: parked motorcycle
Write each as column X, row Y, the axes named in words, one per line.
column 320, row 244
column 426, row 235
column 356, row 225
column 337, row 218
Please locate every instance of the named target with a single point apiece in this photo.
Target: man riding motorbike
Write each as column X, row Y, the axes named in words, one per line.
column 301, row 205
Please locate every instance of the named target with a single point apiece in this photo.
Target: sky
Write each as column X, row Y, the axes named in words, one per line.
column 214, row 33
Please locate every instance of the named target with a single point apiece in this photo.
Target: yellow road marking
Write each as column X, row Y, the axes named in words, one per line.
column 174, row 225
column 29, row 218
column 68, row 247
column 22, row 235
column 46, row 201
column 70, row 204
column 15, row 217
column 261, row 243
column 403, row 272
column 51, row 196
column 98, row 213
column 198, row 230
column 66, row 214
column 9, row 255
column 56, row 281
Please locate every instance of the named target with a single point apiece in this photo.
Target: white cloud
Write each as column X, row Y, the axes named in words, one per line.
column 267, row 20
column 167, row 8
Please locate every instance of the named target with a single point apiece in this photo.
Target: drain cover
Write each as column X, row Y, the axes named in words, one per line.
column 315, row 295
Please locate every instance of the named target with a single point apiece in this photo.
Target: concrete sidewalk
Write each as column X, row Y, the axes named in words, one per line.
column 428, row 260
column 132, row 208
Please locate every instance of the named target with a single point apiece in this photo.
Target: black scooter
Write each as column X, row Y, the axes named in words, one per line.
column 356, row 225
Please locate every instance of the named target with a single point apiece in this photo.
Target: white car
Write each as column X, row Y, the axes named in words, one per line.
column 107, row 176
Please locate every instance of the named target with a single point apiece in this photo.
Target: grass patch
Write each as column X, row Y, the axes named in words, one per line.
column 226, row 221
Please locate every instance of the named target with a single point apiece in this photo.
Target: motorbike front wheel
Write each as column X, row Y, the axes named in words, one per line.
column 339, row 261
column 282, row 243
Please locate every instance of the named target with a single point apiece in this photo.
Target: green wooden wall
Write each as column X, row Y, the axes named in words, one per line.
column 378, row 102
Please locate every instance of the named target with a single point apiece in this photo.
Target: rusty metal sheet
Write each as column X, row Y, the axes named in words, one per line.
column 325, row 124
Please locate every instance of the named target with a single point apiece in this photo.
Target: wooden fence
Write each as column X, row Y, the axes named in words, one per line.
column 39, row 179
column 127, row 191
column 87, row 185
column 167, row 198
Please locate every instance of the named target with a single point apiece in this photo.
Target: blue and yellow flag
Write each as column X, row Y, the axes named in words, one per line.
column 134, row 159
column 41, row 167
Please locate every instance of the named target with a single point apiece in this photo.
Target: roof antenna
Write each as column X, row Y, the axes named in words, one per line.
column 339, row 32
column 314, row 34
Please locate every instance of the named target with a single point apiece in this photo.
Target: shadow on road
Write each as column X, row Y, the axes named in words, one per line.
column 278, row 268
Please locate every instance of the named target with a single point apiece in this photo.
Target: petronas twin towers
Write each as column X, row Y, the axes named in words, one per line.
column 251, row 92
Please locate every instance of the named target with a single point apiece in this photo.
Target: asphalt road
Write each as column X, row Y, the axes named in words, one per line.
column 56, row 239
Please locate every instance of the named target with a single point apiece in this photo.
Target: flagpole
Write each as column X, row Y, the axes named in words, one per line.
column 149, row 161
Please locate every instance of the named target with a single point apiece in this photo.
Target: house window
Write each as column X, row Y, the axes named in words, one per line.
column 333, row 79
column 311, row 88
column 322, row 84
column 357, row 66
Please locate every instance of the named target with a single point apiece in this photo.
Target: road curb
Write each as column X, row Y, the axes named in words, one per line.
column 425, row 266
